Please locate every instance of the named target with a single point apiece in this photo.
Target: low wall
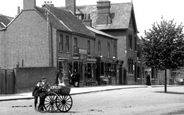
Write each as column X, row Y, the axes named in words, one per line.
column 27, row 78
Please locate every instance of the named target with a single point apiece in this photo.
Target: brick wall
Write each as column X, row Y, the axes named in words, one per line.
column 27, row 78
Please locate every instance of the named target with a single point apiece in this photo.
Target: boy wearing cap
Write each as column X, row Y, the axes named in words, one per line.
column 42, row 87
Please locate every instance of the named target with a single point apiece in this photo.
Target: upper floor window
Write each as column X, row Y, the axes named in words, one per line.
column 88, row 47
column 75, row 45
column 135, row 43
column 108, row 49
column 61, row 43
column 130, row 41
column 115, row 48
column 99, row 48
column 67, row 44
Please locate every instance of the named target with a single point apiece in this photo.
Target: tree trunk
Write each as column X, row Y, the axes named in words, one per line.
column 165, row 80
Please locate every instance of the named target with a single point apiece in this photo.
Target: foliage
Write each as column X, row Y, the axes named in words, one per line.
column 163, row 45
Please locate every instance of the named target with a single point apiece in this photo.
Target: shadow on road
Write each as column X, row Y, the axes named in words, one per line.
column 170, row 92
column 180, row 112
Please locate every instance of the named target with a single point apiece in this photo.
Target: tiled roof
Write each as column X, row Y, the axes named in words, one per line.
column 4, row 21
column 64, row 20
column 100, row 32
column 119, row 12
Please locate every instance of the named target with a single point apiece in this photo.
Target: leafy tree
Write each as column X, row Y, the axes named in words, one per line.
column 163, row 46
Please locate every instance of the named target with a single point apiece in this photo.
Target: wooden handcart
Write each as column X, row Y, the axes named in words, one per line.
column 58, row 99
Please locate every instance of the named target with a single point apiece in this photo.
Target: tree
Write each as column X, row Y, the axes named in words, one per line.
column 163, row 46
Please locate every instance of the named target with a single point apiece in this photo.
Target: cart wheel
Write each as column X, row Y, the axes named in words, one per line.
column 50, row 102
column 64, row 103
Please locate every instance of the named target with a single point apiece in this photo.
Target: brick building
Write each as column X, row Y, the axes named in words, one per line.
column 117, row 20
column 50, row 37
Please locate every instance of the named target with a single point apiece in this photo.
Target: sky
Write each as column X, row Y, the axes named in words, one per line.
column 146, row 11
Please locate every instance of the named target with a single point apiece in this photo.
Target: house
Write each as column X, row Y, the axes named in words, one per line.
column 4, row 21
column 106, row 55
column 105, row 48
column 119, row 21
column 41, row 41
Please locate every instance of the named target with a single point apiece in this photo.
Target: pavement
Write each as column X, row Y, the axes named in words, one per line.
column 74, row 91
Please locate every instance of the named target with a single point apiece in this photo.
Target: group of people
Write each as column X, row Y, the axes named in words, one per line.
column 42, row 87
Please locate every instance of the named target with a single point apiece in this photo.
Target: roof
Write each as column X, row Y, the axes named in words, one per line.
column 120, row 14
column 4, row 20
column 100, row 32
column 64, row 20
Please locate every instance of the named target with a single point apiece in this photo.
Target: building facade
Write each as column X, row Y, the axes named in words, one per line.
column 117, row 20
column 47, row 36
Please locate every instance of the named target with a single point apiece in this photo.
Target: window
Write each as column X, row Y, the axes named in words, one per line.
column 135, row 43
column 102, row 68
column 130, row 66
column 99, row 48
column 88, row 48
column 130, row 41
column 61, row 43
column 115, row 48
column 75, row 45
column 108, row 49
column 67, row 44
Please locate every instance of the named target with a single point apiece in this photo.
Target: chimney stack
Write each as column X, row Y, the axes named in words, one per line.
column 29, row 4
column 71, row 5
column 87, row 21
column 18, row 10
column 103, row 7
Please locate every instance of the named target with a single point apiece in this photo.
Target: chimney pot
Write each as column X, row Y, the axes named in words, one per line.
column 29, row 4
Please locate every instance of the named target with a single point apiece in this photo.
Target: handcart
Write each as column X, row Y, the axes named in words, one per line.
column 58, row 99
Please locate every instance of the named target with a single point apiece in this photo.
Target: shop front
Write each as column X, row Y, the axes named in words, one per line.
column 106, row 71
column 86, row 67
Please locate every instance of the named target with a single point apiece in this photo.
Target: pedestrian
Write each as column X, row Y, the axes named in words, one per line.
column 76, row 79
column 148, row 79
column 59, row 78
column 42, row 87
column 35, row 93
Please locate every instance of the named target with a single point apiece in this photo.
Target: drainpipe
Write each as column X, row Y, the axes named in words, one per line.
column 49, row 34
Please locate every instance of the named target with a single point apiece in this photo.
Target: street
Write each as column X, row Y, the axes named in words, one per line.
column 136, row 101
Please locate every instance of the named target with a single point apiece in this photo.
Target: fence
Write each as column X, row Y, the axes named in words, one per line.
column 7, row 82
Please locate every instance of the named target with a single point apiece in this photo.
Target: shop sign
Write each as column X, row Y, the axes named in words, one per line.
column 82, row 51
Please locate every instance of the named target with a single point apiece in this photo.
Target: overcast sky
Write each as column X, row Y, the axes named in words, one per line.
column 146, row 11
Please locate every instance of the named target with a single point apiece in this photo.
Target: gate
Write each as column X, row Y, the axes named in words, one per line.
column 7, row 82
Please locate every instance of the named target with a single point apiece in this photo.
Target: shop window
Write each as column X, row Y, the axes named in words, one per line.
column 60, row 65
column 138, row 72
column 75, row 66
column 130, row 66
column 102, row 68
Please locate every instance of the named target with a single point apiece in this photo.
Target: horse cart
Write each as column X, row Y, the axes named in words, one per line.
column 58, row 99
